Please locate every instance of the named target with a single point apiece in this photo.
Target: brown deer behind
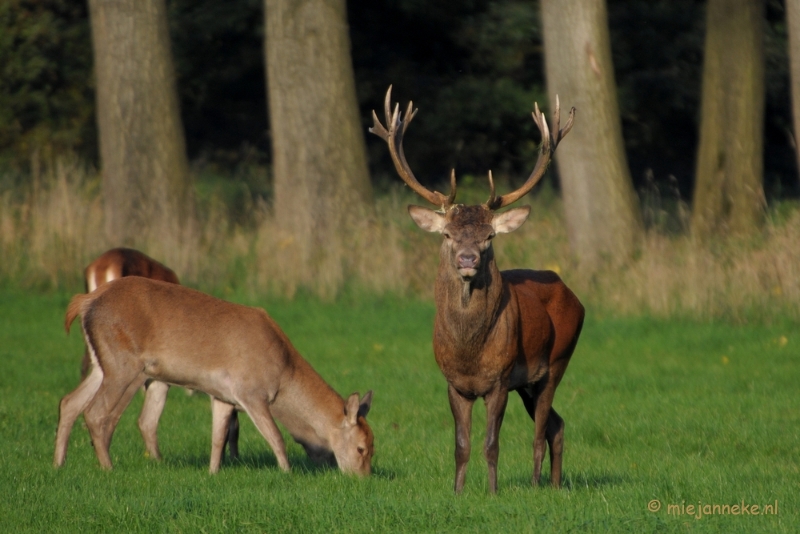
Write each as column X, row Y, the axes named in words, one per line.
column 494, row 331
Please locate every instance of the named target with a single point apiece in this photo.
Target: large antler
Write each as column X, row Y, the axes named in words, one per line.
column 545, row 152
column 394, row 138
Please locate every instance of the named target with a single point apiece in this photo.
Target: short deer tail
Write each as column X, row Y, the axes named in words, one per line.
column 75, row 308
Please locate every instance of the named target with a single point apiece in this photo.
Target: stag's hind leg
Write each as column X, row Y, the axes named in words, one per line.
column 555, row 441
column 539, row 404
column 71, row 406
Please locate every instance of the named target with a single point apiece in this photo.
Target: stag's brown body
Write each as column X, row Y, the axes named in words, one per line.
column 503, row 331
column 139, row 329
column 494, row 331
column 530, row 337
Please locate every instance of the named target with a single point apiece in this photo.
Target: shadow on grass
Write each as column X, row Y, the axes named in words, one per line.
column 571, row 482
column 266, row 460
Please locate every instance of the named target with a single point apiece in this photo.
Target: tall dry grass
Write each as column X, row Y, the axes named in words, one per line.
column 52, row 227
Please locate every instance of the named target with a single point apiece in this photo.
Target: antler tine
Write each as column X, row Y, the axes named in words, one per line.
column 387, row 108
column 558, row 132
column 394, row 139
column 452, row 196
column 492, row 198
column 546, row 150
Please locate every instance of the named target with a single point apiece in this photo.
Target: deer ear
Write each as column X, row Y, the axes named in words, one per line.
column 428, row 220
column 365, row 404
column 351, row 409
column 510, row 220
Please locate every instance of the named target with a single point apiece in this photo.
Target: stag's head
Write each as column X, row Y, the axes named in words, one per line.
column 468, row 230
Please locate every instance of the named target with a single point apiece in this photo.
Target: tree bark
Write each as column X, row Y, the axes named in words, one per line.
column 728, row 194
column 146, row 185
column 319, row 152
column 602, row 210
column 793, row 27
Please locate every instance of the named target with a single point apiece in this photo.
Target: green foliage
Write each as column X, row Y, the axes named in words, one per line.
column 46, row 87
column 218, row 50
column 473, row 68
column 671, row 410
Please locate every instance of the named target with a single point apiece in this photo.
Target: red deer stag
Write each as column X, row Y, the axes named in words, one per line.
column 114, row 264
column 139, row 329
column 494, row 331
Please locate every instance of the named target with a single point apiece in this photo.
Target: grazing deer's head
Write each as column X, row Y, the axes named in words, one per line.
column 468, row 230
column 353, row 443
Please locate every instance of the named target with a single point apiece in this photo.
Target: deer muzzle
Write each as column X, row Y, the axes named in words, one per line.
column 467, row 263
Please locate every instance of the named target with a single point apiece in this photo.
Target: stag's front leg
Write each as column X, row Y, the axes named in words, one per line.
column 496, row 402
column 462, row 414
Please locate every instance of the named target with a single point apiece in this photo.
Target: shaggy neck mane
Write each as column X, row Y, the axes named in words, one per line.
column 468, row 309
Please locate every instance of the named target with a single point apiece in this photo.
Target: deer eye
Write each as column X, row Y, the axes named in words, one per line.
column 491, row 236
column 361, row 450
column 446, row 235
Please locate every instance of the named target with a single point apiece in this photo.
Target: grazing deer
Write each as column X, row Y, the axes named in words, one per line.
column 114, row 264
column 138, row 329
column 494, row 331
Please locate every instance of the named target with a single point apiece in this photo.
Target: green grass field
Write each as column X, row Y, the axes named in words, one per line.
column 658, row 413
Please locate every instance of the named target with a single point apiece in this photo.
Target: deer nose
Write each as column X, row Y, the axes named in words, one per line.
column 467, row 261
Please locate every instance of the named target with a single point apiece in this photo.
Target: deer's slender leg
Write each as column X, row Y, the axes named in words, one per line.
column 496, row 402
column 155, row 397
column 555, row 440
column 86, row 364
column 103, row 413
column 221, row 413
column 544, row 402
column 71, row 406
column 462, row 414
column 233, row 435
column 262, row 418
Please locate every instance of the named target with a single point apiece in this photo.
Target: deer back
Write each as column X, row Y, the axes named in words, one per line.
column 185, row 337
column 551, row 318
column 119, row 262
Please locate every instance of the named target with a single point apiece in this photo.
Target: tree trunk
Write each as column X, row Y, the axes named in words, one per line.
column 319, row 152
column 146, row 185
column 602, row 211
column 793, row 26
column 728, row 194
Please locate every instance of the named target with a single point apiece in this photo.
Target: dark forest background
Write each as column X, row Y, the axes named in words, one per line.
column 474, row 68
